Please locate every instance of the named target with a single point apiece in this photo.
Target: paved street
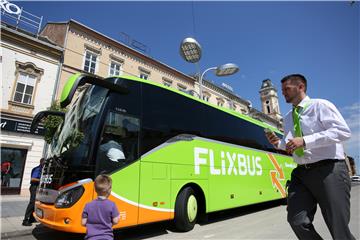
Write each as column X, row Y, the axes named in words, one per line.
column 264, row 221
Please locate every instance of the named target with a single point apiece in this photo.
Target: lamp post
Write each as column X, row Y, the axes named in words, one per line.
column 190, row 51
column 220, row 71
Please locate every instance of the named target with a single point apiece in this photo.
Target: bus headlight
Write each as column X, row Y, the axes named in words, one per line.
column 69, row 198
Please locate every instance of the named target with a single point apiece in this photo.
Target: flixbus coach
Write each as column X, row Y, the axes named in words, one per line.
column 170, row 155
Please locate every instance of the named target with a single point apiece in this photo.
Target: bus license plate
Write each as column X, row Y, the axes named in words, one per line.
column 39, row 212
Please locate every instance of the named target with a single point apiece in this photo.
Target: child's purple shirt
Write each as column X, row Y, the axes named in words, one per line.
column 99, row 214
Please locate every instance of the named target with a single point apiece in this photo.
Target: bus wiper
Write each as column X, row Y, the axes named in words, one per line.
column 43, row 114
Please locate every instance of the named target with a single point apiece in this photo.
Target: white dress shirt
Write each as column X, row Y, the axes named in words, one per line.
column 323, row 128
column 113, row 150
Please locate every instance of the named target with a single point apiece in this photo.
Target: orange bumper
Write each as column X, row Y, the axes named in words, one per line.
column 65, row 219
column 69, row 219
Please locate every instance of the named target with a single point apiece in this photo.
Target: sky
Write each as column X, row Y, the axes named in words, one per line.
column 265, row 39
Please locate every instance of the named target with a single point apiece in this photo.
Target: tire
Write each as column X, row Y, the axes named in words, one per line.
column 186, row 210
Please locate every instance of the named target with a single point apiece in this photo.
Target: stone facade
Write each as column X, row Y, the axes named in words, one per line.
column 30, row 65
column 270, row 101
column 79, row 40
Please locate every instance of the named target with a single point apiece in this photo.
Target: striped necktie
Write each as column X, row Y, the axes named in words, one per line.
column 297, row 129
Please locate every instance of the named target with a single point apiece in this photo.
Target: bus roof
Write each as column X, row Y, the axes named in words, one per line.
column 79, row 78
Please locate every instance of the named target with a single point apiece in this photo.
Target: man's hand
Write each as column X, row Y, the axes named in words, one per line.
column 272, row 138
column 294, row 144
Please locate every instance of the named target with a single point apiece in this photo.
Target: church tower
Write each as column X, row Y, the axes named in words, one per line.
column 270, row 100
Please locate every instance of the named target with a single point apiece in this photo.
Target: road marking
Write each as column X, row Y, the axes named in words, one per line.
column 209, row 236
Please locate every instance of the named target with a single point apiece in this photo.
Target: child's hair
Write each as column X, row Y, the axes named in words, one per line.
column 103, row 185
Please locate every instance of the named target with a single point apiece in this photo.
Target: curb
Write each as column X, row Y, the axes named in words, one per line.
column 25, row 232
column 16, row 233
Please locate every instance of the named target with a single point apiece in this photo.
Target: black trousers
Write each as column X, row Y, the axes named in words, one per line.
column 31, row 206
column 327, row 185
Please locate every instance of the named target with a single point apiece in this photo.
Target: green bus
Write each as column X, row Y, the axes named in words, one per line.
column 171, row 156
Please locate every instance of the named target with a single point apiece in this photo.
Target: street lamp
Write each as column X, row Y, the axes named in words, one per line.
column 192, row 92
column 220, row 71
column 190, row 51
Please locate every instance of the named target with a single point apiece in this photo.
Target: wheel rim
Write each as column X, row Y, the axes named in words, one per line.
column 192, row 208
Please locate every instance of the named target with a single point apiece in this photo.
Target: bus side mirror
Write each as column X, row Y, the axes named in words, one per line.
column 41, row 115
column 70, row 87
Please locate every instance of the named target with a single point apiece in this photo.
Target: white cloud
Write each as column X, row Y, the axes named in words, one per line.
column 352, row 117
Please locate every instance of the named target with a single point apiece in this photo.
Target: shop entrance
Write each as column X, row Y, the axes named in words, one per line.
column 12, row 169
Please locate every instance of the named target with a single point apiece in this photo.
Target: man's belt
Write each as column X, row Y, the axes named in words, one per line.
column 318, row 163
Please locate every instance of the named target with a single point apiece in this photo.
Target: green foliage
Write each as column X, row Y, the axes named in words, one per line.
column 51, row 123
column 73, row 140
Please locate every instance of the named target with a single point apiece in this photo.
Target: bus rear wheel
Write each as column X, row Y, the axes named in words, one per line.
column 186, row 210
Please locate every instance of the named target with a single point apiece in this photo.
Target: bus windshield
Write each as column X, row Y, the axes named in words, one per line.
column 74, row 137
column 69, row 156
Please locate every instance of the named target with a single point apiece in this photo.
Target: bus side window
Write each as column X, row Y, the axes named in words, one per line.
column 119, row 142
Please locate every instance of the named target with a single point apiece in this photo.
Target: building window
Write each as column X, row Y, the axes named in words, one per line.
column 181, row 88
column 115, row 69
column 90, row 62
column 267, row 104
column 206, row 97
column 220, row 102
column 144, row 73
column 144, row 76
column 167, row 82
column 24, row 88
column 27, row 76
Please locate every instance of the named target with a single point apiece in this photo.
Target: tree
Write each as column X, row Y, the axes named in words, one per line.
column 51, row 123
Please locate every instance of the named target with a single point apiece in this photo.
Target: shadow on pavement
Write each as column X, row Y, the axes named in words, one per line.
column 41, row 232
column 143, row 231
column 241, row 211
column 155, row 229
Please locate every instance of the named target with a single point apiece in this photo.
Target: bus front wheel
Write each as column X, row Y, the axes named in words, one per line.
column 186, row 210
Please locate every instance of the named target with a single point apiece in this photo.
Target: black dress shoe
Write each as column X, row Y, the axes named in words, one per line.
column 26, row 223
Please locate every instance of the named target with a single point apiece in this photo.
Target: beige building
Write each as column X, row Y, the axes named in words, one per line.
column 29, row 65
column 86, row 50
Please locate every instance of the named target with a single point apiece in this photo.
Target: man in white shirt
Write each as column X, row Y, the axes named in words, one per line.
column 113, row 151
column 111, row 155
column 313, row 133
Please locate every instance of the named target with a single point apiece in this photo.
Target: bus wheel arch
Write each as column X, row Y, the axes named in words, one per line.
column 189, row 207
